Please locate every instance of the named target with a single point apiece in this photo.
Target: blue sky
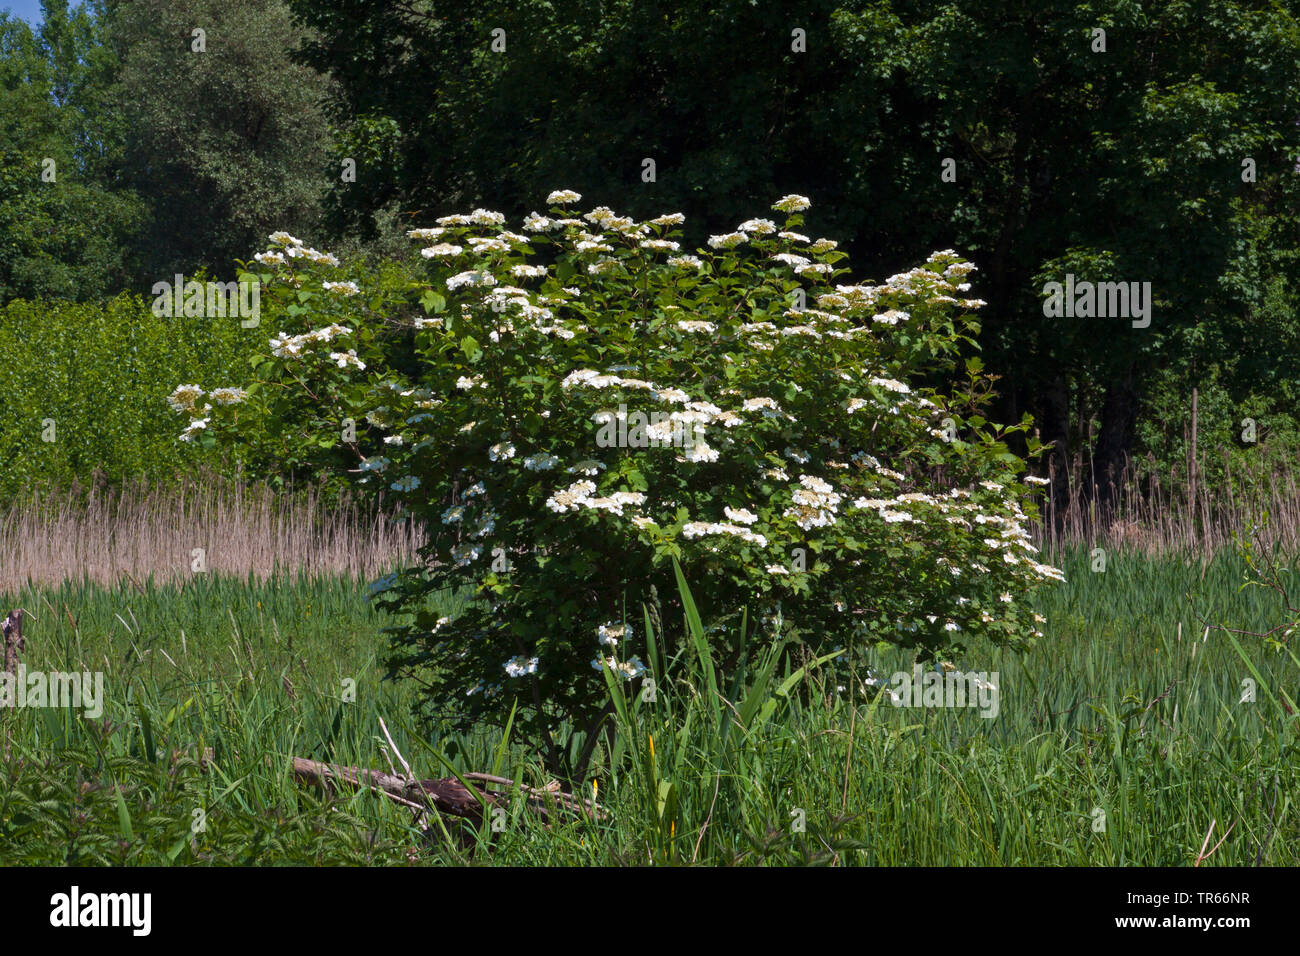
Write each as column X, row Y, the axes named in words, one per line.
column 29, row 10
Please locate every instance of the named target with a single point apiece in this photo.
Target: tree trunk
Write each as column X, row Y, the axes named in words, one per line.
column 1055, row 428
column 1118, row 429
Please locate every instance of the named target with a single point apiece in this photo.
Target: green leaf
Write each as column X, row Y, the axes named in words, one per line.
column 123, row 815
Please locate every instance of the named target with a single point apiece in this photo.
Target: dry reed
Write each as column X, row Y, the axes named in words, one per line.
column 1179, row 511
column 143, row 530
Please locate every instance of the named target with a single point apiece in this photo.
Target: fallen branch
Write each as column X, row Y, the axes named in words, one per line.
column 447, row 795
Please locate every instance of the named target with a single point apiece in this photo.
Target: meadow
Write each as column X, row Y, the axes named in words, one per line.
column 1119, row 740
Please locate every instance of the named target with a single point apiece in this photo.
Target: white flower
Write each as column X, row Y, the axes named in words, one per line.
column 535, row 223
column 571, row 498
column 519, row 667
column 464, row 555
column 611, row 634
column 685, row 262
column 193, row 428
column 442, row 250
column 727, row 240
column 563, row 197
column 691, row 325
column 501, row 451
column 409, row 483
column 323, row 258
column 890, row 385
column 587, row 466
column 284, row 239
column 425, row 234
column 270, row 258
column 698, row 529
column 668, row 219
column 760, row 227
column 541, row 462
column 471, row 278
column 287, row 346
column 228, row 396
column 630, row 670
column 342, row 288
column 184, row 397
column 344, row 359
column 791, row 203
column 740, row 515
column 701, row 451
column 483, row 245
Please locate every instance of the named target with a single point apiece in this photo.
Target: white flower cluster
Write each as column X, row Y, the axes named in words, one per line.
column 294, row 346
column 521, row 667
column 581, row 494
column 699, row 529
column 815, row 503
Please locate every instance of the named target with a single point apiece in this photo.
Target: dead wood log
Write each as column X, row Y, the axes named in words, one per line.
column 447, row 795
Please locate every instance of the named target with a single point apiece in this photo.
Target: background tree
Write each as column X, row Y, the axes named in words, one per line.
column 1117, row 165
column 226, row 144
column 65, row 216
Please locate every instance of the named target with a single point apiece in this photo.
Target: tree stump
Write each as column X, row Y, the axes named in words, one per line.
column 13, row 636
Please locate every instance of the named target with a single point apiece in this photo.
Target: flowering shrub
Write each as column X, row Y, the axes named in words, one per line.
column 574, row 406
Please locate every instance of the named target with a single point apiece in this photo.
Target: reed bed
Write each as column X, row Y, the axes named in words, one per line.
column 151, row 529
column 147, row 530
column 1175, row 513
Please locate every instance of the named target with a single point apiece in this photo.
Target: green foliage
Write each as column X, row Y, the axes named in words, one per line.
column 65, row 225
column 102, row 374
column 1115, row 713
column 514, row 435
column 225, row 143
column 1132, row 156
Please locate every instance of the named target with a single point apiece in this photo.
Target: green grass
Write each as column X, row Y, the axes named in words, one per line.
column 1112, row 712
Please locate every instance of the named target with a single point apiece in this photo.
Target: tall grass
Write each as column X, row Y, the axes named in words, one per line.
column 1118, row 740
column 145, row 530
